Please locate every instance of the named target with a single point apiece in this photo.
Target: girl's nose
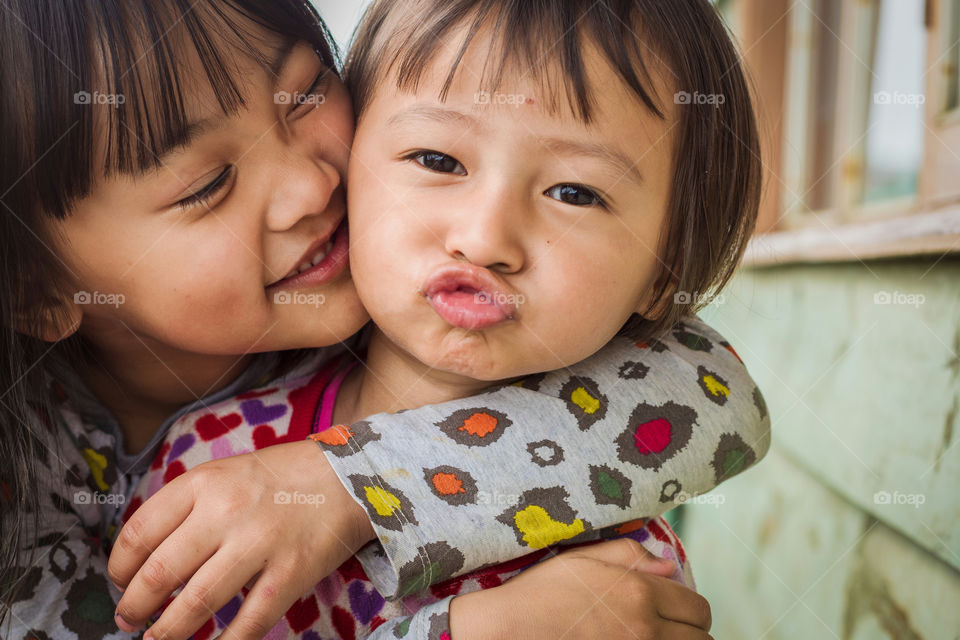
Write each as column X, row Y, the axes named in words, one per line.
column 306, row 188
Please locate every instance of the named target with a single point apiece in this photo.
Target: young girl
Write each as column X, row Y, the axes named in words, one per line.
column 491, row 242
column 149, row 216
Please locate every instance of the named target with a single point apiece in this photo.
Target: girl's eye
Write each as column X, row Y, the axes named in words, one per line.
column 439, row 162
column 576, row 194
column 314, row 96
column 204, row 195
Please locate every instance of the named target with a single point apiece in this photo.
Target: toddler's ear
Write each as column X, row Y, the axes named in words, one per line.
column 660, row 306
column 53, row 321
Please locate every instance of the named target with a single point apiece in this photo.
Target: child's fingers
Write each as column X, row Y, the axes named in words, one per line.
column 156, row 519
column 170, row 566
column 218, row 581
column 679, row 631
column 272, row 595
column 679, row 604
column 626, row 553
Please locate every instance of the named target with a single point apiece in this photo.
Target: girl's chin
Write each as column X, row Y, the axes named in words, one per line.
column 313, row 331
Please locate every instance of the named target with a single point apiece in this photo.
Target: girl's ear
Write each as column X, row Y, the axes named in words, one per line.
column 56, row 320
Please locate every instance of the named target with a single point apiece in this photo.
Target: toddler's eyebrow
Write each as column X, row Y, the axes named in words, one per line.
column 443, row 115
column 604, row 153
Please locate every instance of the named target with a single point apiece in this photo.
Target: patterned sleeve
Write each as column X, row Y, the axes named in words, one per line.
column 431, row 622
column 628, row 433
column 64, row 590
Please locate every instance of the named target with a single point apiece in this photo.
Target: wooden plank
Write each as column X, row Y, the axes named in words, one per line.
column 860, row 366
column 797, row 110
column 763, row 28
column 784, row 557
column 941, row 166
column 857, row 56
column 917, row 234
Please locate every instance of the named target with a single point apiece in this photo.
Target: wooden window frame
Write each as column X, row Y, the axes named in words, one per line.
column 927, row 223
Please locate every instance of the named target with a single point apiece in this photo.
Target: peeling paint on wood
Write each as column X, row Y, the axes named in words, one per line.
column 859, row 365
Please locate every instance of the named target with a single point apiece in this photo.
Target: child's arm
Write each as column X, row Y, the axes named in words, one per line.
column 610, row 590
column 63, row 593
column 626, row 434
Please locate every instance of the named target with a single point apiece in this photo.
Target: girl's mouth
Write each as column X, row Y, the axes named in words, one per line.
column 469, row 297
column 323, row 262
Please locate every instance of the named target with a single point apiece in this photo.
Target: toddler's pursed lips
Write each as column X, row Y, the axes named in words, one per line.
column 469, row 297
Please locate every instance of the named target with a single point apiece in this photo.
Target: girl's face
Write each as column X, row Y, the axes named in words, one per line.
column 491, row 238
column 237, row 243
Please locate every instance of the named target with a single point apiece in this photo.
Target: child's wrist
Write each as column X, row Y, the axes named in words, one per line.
column 353, row 519
column 476, row 616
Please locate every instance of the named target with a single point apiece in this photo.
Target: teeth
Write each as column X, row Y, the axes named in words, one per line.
column 317, row 259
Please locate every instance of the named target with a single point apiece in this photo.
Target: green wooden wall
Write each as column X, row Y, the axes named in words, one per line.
column 850, row 528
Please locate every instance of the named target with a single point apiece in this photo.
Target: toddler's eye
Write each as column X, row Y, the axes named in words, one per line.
column 439, row 162
column 576, row 194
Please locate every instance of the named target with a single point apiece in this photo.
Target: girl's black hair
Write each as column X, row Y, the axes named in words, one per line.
column 58, row 61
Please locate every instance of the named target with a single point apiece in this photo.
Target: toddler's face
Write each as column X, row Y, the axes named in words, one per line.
column 490, row 238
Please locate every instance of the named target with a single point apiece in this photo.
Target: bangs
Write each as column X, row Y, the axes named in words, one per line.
column 110, row 80
column 535, row 40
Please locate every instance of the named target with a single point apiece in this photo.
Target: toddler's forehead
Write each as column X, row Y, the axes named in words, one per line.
column 502, row 47
column 491, row 78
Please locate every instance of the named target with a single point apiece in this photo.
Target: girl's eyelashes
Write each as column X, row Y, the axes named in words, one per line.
column 437, row 162
column 315, row 95
column 577, row 195
column 204, row 195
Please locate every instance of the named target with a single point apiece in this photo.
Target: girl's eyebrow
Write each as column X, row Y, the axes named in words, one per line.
column 192, row 132
column 283, row 54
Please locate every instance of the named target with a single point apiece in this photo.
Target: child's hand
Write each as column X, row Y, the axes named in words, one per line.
column 221, row 526
column 615, row 589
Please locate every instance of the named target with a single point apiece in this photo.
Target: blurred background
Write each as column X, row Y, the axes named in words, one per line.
column 847, row 314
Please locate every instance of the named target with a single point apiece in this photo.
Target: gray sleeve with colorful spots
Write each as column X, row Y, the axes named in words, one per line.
column 628, row 433
column 430, row 622
column 64, row 590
